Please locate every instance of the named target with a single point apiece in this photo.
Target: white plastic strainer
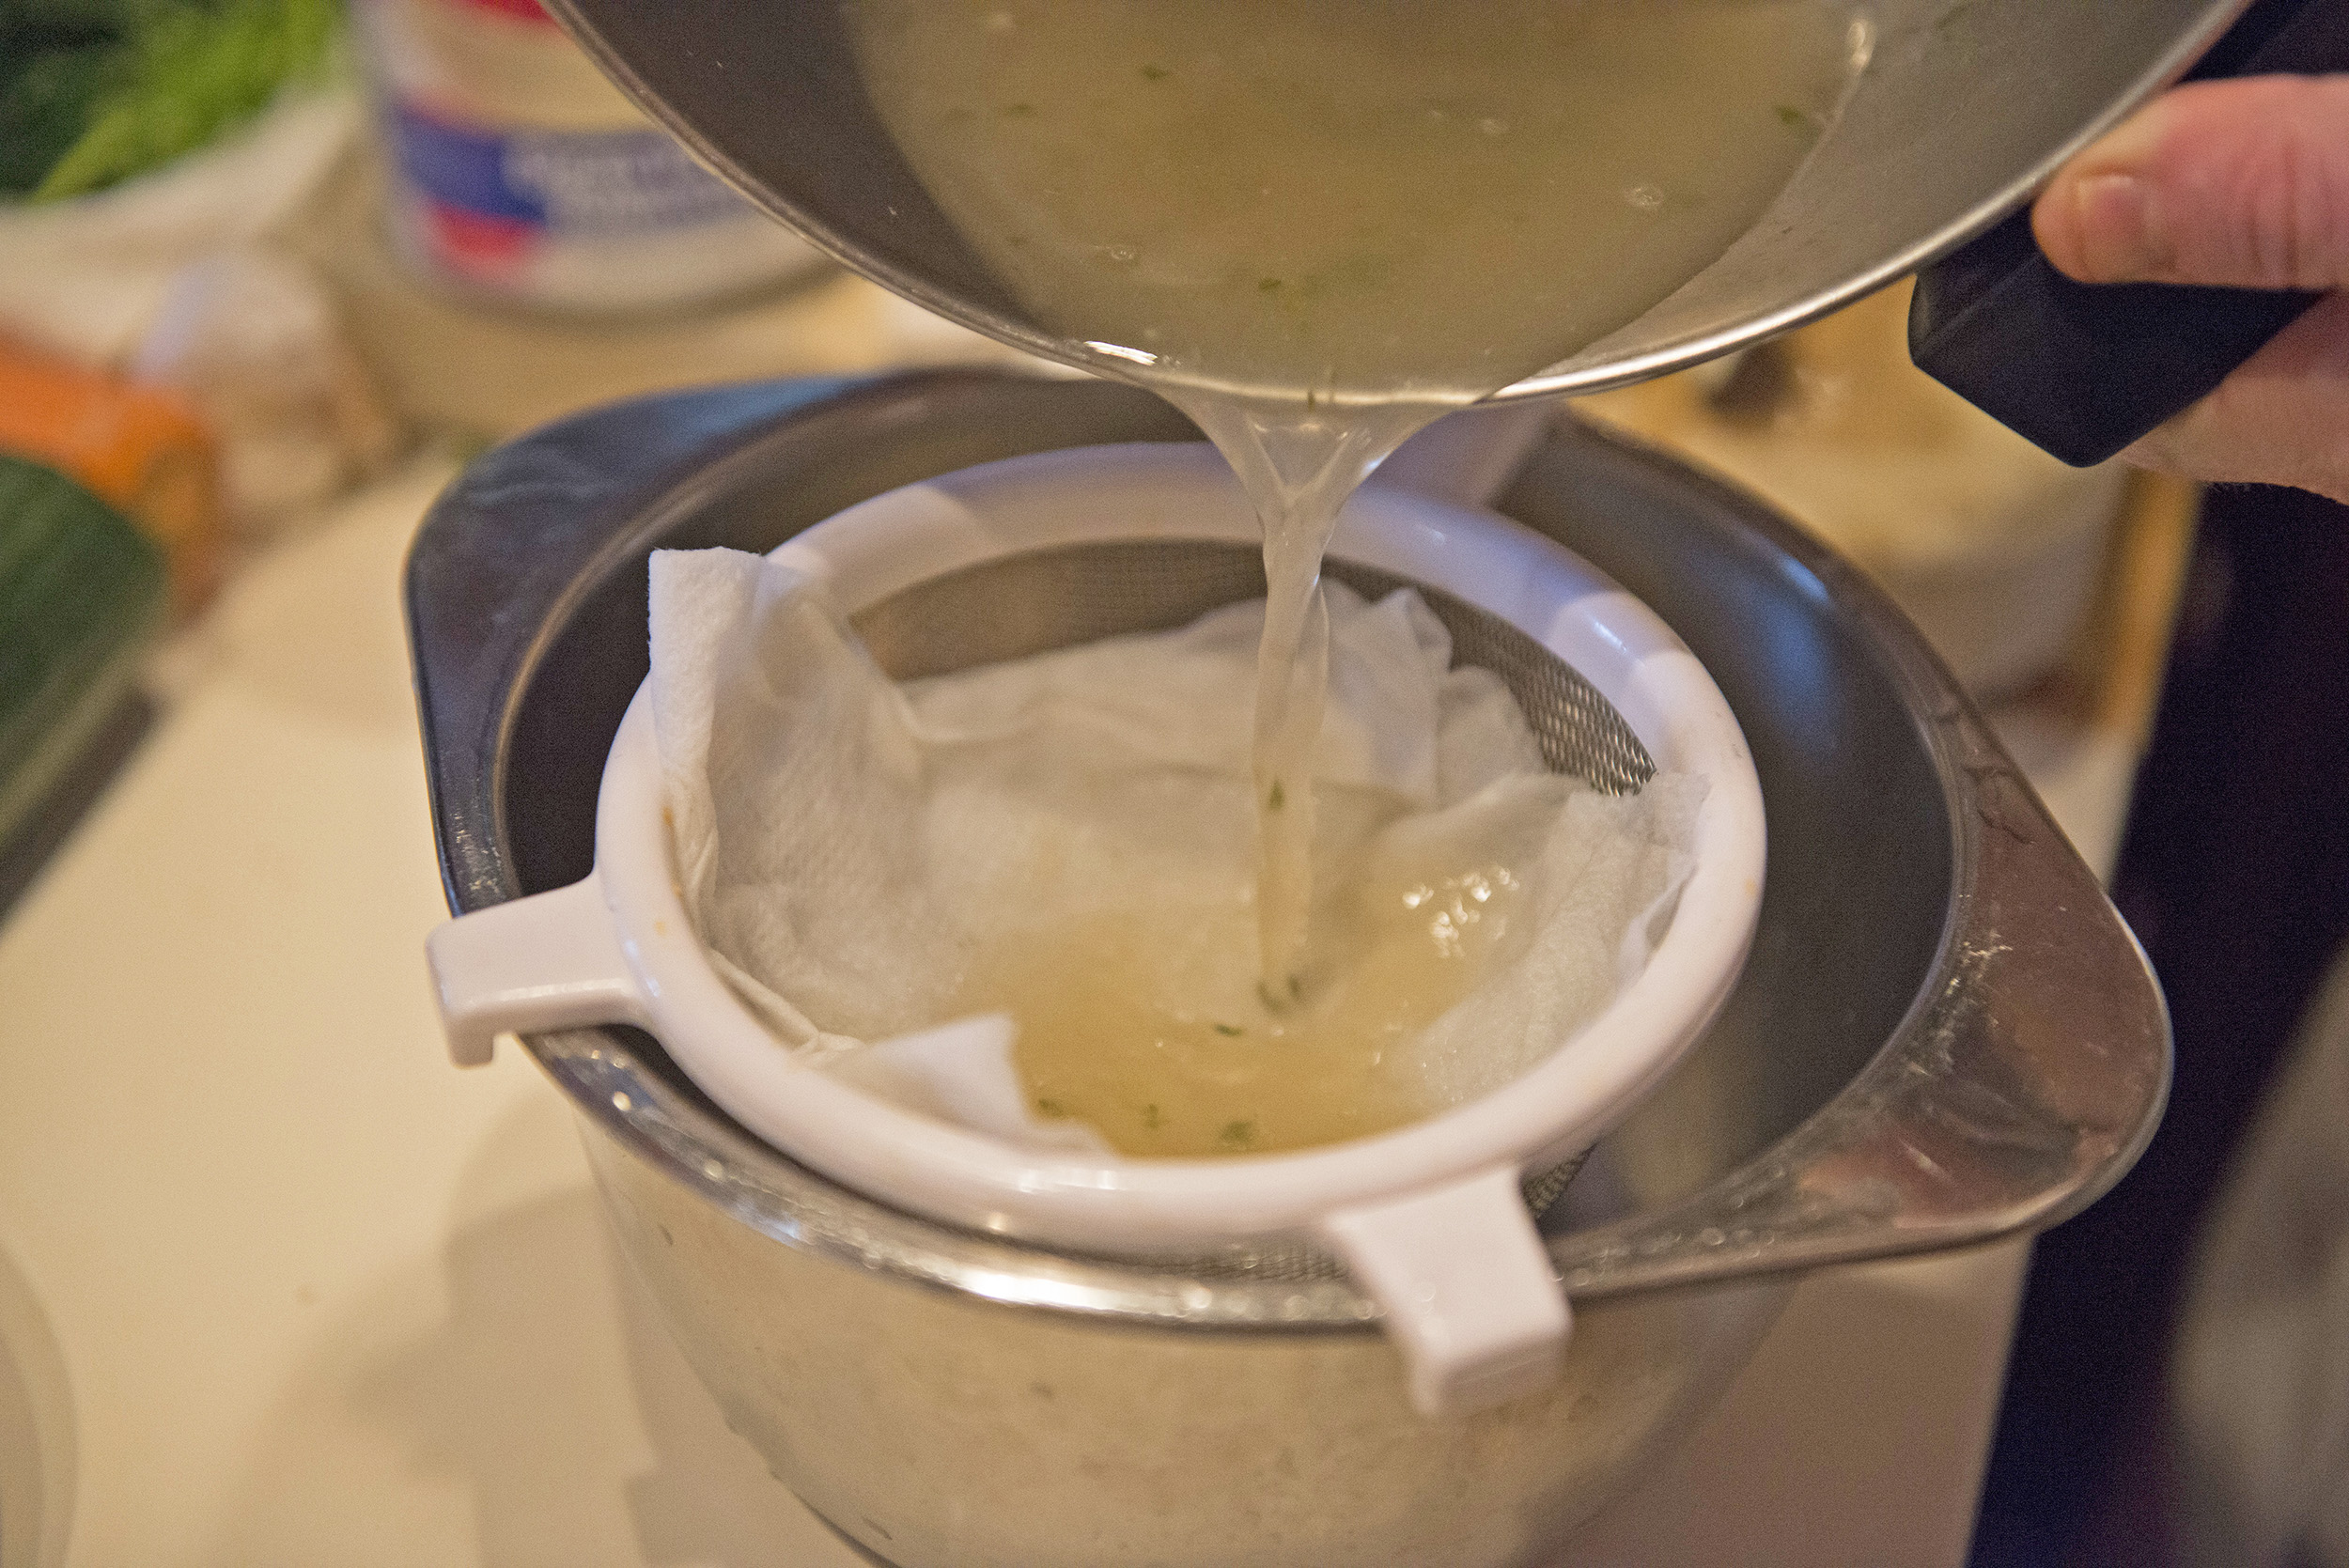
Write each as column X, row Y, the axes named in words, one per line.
column 1430, row 1219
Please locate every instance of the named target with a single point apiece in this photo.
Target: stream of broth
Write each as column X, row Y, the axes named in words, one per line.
column 1316, row 226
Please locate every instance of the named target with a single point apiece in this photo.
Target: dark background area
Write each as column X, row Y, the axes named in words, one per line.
column 2235, row 875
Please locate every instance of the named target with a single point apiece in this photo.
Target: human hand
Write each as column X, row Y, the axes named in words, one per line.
column 2243, row 183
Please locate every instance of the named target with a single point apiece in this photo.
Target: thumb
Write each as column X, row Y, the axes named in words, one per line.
column 2243, row 183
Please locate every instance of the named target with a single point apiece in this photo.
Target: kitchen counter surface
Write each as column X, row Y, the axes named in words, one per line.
column 280, row 1286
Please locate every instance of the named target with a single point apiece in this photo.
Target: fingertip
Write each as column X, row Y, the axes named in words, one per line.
column 2097, row 220
column 2102, row 227
column 2055, row 222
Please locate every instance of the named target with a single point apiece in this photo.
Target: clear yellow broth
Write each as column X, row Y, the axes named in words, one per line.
column 1150, row 1026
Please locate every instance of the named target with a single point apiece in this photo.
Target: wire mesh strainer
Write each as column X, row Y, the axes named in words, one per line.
column 1030, row 603
column 1432, row 1220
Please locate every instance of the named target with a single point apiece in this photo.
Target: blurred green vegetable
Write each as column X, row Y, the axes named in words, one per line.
column 82, row 591
column 95, row 91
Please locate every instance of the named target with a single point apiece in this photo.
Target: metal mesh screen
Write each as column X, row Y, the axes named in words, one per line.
column 1055, row 598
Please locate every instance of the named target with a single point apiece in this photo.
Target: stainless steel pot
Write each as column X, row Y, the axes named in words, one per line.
column 1944, row 1036
column 1967, row 107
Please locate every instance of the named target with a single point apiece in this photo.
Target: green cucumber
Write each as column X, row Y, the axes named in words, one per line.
column 82, row 593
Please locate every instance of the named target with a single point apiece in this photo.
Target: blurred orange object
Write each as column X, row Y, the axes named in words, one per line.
column 141, row 448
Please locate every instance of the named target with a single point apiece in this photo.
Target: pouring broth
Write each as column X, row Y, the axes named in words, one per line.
column 1402, row 201
column 1316, row 226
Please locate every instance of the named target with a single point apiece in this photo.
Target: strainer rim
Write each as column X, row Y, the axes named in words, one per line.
column 1156, row 1208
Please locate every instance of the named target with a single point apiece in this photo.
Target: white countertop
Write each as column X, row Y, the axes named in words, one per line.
column 280, row 1286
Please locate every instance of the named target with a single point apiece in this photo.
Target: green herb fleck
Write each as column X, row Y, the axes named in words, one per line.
column 1794, row 116
column 1236, row 1135
column 1276, row 797
column 1150, row 1117
column 1268, row 286
column 1049, row 1107
column 1230, row 1029
column 1155, row 73
column 1017, row 111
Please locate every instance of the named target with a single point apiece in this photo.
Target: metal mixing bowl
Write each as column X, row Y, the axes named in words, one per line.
column 1966, row 106
column 1944, row 1036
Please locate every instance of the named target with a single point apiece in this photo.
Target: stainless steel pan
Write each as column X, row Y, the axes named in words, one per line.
column 1966, row 107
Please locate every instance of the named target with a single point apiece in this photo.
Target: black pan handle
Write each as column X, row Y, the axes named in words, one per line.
column 2084, row 370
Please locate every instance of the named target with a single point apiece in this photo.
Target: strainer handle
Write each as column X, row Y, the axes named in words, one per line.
column 1469, row 1295
column 546, row 962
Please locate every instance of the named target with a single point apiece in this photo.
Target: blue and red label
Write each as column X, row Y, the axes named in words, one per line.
column 494, row 193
